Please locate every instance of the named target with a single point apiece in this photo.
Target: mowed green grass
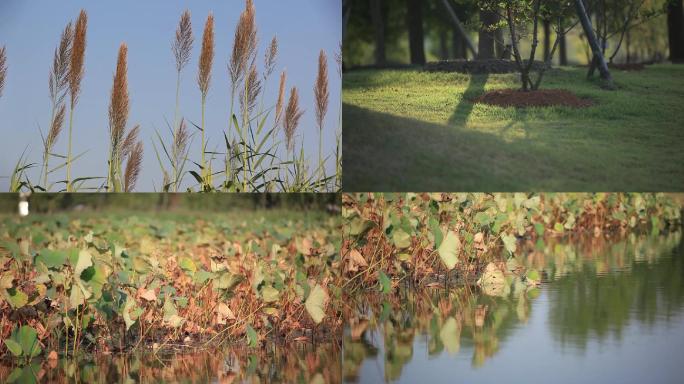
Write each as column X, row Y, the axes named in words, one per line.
column 409, row 130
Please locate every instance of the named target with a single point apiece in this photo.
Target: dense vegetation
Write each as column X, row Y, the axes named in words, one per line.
column 443, row 237
column 107, row 282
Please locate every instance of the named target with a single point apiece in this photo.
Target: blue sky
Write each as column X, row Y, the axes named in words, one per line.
column 30, row 30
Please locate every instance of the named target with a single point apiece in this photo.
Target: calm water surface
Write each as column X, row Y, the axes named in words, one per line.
column 609, row 313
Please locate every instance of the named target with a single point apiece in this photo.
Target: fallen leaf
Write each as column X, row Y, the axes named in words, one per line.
column 52, row 355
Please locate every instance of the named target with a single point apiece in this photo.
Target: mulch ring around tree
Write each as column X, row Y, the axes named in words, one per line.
column 539, row 98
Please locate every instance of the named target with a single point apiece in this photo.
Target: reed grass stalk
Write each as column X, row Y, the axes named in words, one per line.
column 76, row 72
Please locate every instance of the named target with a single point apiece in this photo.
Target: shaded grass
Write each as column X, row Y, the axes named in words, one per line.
column 417, row 131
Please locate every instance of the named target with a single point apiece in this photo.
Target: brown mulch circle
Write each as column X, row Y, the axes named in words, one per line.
column 539, row 98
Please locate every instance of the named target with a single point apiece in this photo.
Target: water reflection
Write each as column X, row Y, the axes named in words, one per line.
column 310, row 364
column 597, row 299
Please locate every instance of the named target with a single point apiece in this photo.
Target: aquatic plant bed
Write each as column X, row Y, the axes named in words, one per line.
column 431, row 239
column 109, row 282
column 537, row 98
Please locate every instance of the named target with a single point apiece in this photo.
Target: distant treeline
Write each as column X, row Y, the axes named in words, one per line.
column 52, row 202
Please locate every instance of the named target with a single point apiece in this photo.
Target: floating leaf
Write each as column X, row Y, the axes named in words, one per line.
column 316, row 302
column 449, row 250
column 450, row 334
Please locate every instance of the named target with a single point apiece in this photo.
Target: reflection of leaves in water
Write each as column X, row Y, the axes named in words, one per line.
column 451, row 336
column 595, row 290
column 296, row 364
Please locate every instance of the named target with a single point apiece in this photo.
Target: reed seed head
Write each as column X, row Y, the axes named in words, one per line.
column 182, row 45
column 129, row 142
column 206, row 57
column 55, row 128
column 118, row 105
column 133, row 167
column 281, row 99
column 292, row 116
column 321, row 92
column 59, row 74
column 3, row 68
column 76, row 65
column 270, row 58
column 244, row 44
column 253, row 88
column 180, row 141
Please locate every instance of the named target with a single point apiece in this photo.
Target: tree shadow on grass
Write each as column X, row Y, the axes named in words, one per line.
column 465, row 107
column 383, row 152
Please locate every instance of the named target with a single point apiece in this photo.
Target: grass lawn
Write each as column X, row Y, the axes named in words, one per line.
column 408, row 130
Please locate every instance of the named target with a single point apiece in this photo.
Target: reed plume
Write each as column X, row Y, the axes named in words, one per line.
column 76, row 71
column 206, row 56
column 270, row 58
column 321, row 96
column 181, row 48
column 281, row 99
column 133, row 167
column 183, row 44
column 118, row 118
column 248, row 96
column 244, row 43
column 179, row 152
column 77, row 68
column 3, row 68
column 204, row 78
column 292, row 116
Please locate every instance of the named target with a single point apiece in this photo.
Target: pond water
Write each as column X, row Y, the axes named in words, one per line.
column 305, row 363
column 609, row 313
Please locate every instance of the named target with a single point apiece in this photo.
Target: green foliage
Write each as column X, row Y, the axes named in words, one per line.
column 23, row 343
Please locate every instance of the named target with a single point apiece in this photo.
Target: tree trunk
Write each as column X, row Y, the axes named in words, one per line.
column 563, row 50
column 443, row 45
column 593, row 42
column 499, row 46
column 459, row 27
column 547, row 38
column 415, row 27
column 458, row 45
column 675, row 30
column 379, row 26
column 485, row 44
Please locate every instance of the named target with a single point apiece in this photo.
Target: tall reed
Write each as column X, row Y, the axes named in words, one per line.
column 338, row 147
column 3, row 68
column 76, row 72
column 203, row 81
column 244, row 50
column 58, row 84
column 181, row 48
column 321, row 96
column 122, row 146
column 292, row 116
